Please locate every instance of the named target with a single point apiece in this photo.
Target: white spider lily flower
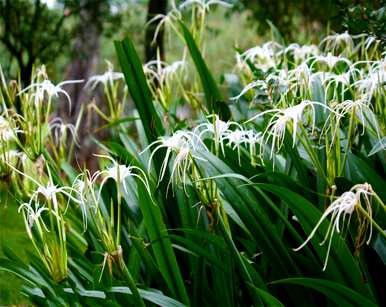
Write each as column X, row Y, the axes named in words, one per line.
column 184, row 145
column 262, row 56
column 375, row 81
column 302, row 53
column 330, row 60
column 12, row 154
column 165, row 19
column 11, row 157
column 276, row 126
column 279, row 82
column 337, row 40
column 252, row 138
column 173, row 68
column 161, row 71
column 41, row 72
column 370, row 40
column 52, row 90
column 235, row 139
column 83, row 184
column 33, row 208
column 300, row 76
column 204, row 4
column 33, row 213
column 79, row 185
column 218, row 129
column 119, row 173
column 182, row 163
column 347, row 106
column 240, row 62
column 59, row 130
column 49, row 191
column 154, row 68
column 238, row 137
column 341, row 211
column 361, row 107
column 57, row 266
column 6, row 131
column 258, row 83
column 106, row 78
column 379, row 66
column 268, row 49
column 339, row 79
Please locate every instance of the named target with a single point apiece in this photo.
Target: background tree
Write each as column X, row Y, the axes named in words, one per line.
column 289, row 14
column 362, row 17
column 355, row 16
column 31, row 33
column 85, row 47
column 155, row 7
column 93, row 20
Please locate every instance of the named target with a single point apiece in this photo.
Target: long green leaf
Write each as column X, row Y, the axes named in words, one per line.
column 341, row 266
column 161, row 245
column 150, row 295
column 359, row 171
column 341, row 295
column 138, row 88
column 269, row 300
column 255, row 218
column 214, row 100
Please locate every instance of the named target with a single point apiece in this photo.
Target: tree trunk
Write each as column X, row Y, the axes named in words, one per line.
column 25, row 73
column 155, row 7
column 84, row 62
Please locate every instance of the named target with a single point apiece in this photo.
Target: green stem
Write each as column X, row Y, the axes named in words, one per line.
column 119, row 196
column 350, row 129
column 308, row 147
column 380, row 202
column 243, row 268
column 131, row 283
column 375, row 224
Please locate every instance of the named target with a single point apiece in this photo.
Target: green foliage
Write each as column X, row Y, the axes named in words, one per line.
column 214, row 100
column 362, row 17
column 138, row 89
column 31, row 33
column 354, row 16
column 287, row 15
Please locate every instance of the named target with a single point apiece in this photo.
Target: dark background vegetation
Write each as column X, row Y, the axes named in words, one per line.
column 70, row 33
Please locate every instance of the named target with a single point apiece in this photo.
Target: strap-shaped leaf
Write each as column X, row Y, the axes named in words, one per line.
column 162, row 246
column 379, row 146
column 138, row 88
column 341, row 295
column 360, row 170
column 214, row 100
column 245, row 204
column 269, row 300
column 150, row 295
column 342, row 266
